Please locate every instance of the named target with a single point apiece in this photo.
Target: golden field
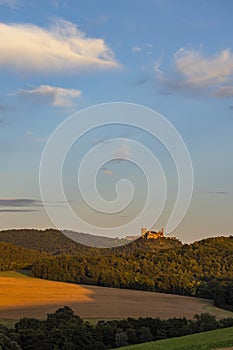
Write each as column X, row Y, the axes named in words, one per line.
column 22, row 296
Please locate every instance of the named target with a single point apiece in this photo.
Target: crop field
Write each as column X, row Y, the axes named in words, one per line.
column 22, row 296
column 218, row 339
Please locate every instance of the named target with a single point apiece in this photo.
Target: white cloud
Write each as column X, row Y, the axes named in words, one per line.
column 199, row 74
column 204, row 71
column 136, row 49
column 123, row 152
column 55, row 96
column 60, row 49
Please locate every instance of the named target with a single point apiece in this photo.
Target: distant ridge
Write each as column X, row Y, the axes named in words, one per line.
column 95, row 241
column 50, row 241
column 56, row 242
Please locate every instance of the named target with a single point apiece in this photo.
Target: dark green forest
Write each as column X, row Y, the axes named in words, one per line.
column 63, row 330
column 201, row 269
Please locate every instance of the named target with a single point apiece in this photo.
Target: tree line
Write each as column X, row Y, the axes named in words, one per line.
column 62, row 330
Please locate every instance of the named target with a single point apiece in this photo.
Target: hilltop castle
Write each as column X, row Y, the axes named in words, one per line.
column 145, row 233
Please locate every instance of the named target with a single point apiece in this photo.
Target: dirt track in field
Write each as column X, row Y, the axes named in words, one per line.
column 31, row 297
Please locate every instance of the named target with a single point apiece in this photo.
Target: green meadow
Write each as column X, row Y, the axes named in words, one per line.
column 218, row 339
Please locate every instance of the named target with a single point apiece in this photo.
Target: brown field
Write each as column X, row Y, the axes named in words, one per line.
column 32, row 297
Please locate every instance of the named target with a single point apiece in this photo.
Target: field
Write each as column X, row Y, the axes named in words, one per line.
column 219, row 339
column 22, row 296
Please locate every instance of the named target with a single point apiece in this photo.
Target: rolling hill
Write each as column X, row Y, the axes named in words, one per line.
column 95, row 241
column 50, row 241
column 217, row 339
column 202, row 269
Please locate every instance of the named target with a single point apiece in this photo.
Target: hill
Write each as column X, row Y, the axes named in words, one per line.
column 55, row 242
column 202, row 269
column 51, row 241
column 148, row 245
column 95, row 241
column 23, row 296
column 218, row 339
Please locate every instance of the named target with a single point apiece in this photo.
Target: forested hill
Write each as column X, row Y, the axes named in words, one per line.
column 201, row 269
column 94, row 240
column 51, row 241
column 55, row 242
column 147, row 245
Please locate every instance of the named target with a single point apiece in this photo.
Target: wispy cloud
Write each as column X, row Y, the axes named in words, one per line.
column 157, row 68
column 222, row 193
column 52, row 95
column 136, row 49
column 201, row 70
column 194, row 71
column 17, row 210
column 224, row 91
column 33, row 138
column 25, row 204
column 107, row 171
column 62, row 48
column 11, row 3
column 123, row 152
column 20, row 202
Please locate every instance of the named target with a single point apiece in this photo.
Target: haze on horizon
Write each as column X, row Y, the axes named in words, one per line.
column 59, row 57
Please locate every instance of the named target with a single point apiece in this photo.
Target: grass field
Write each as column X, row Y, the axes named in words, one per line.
column 219, row 339
column 12, row 274
column 22, row 296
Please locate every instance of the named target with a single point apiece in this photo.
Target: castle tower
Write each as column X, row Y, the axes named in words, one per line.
column 143, row 231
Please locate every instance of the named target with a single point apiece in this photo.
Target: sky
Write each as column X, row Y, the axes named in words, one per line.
column 173, row 56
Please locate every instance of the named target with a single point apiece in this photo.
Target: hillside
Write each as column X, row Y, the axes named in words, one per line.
column 148, row 245
column 55, row 242
column 217, row 339
column 202, row 269
column 95, row 241
column 24, row 296
column 13, row 257
column 63, row 329
column 51, row 241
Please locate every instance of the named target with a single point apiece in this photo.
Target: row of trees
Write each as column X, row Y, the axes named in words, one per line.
column 65, row 331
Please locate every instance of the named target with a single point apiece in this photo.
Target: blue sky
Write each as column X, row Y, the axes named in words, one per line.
column 58, row 57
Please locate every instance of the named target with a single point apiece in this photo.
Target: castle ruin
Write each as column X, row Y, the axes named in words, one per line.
column 145, row 233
